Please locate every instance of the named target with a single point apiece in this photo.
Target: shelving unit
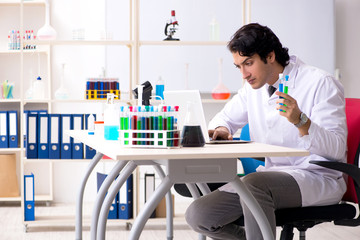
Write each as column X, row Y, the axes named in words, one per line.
column 133, row 44
column 19, row 103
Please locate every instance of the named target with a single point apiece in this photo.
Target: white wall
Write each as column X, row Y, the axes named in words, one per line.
column 347, row 45
column 67, row 175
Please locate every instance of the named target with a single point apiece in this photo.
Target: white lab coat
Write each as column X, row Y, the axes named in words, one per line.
column 321, row 98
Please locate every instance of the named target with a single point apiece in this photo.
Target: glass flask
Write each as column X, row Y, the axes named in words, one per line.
column 192, row 135
column 62, row 92
column 220, row 91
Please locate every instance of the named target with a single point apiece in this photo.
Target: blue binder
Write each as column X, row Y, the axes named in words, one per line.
column 13, row 129
column 54, row 136
column 29, row 198
column 66, row 141
column 126, row 199
column 32, row 136
column 25, row 113
column 89, row 151
column 43, row 143
column 4, row 132
column 77, row 146
column 113, row 212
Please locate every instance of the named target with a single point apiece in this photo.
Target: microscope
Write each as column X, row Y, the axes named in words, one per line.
column 170, row 28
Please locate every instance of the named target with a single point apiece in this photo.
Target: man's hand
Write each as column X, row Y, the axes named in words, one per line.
column 291, row 111
column 290, row 107
column 220, row 133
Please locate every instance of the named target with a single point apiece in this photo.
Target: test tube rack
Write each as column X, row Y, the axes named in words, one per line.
column 98, row 88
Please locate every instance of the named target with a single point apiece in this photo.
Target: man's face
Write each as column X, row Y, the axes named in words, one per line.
column 253, row 69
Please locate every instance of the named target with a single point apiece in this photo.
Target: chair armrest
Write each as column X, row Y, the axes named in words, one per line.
column 352, row 171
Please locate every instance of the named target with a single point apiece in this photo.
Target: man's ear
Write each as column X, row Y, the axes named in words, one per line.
column 271, row 57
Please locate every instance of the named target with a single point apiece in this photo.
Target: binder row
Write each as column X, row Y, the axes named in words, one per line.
column 46, row 138
column 122, row 205
column 9, row 129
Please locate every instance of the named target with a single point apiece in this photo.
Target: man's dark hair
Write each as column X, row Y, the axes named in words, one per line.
column 254, row 38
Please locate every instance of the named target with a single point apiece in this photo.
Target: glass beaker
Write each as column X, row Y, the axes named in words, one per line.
column 192, row 135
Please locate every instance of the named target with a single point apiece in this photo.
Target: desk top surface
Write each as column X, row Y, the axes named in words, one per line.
column 114, row 150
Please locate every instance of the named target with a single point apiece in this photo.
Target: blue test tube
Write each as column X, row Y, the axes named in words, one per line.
column 281, row 86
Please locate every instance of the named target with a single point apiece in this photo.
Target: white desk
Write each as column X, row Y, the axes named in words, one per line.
column 212, row 163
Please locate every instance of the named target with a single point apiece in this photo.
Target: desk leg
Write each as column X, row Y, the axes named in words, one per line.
column 114, row 189
column 149, row 207
column 101, row 196
column 169, row 207
column 79, row 200
column 254, row 207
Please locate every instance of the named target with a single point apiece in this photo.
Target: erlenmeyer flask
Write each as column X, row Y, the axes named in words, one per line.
column 220, row 91
column 62, row 92
column 192, row 135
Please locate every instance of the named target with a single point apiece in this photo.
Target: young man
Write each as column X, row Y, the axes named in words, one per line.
column 312, row 118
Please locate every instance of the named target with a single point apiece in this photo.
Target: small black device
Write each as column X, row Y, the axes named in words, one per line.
column 147, row 88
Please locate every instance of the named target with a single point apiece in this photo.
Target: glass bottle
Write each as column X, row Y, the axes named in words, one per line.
column 214, row 30
column 111, row 119
column 192, row 135
column 38, row 89
column 160, row 87
column 220, row 91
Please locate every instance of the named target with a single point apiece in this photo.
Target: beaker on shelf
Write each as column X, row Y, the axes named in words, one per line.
column 220, row 91
column 192, row 135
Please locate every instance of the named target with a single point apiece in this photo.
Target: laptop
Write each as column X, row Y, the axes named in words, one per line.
column 181, row 98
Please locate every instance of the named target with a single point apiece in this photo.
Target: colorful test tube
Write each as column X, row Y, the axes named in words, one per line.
column 281, row 86
column 176, row 134
column 170, row 125
column 152, row 123
column 126, row 124
column 286, row 86
column 139, row 124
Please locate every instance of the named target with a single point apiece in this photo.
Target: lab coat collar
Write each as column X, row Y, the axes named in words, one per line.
column 291, row 69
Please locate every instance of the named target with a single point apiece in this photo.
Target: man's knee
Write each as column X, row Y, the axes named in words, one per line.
column 195, row 214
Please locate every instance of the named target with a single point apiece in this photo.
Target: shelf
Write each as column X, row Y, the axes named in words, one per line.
column 83, row 42
column 128, row 43
column 62, row 160
column 127, row 101
column 210, row 100
column 13, row 100
column 68, row 220
column 43, row 198
column 10, row 199
column 38, row 198
column 17, row 3
column 183, row 43
column 37, row 101
column 9, row 150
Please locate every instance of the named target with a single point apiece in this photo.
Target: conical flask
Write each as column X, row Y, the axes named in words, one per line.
column 220, row 91
column 62, row 92
column 192, row 135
